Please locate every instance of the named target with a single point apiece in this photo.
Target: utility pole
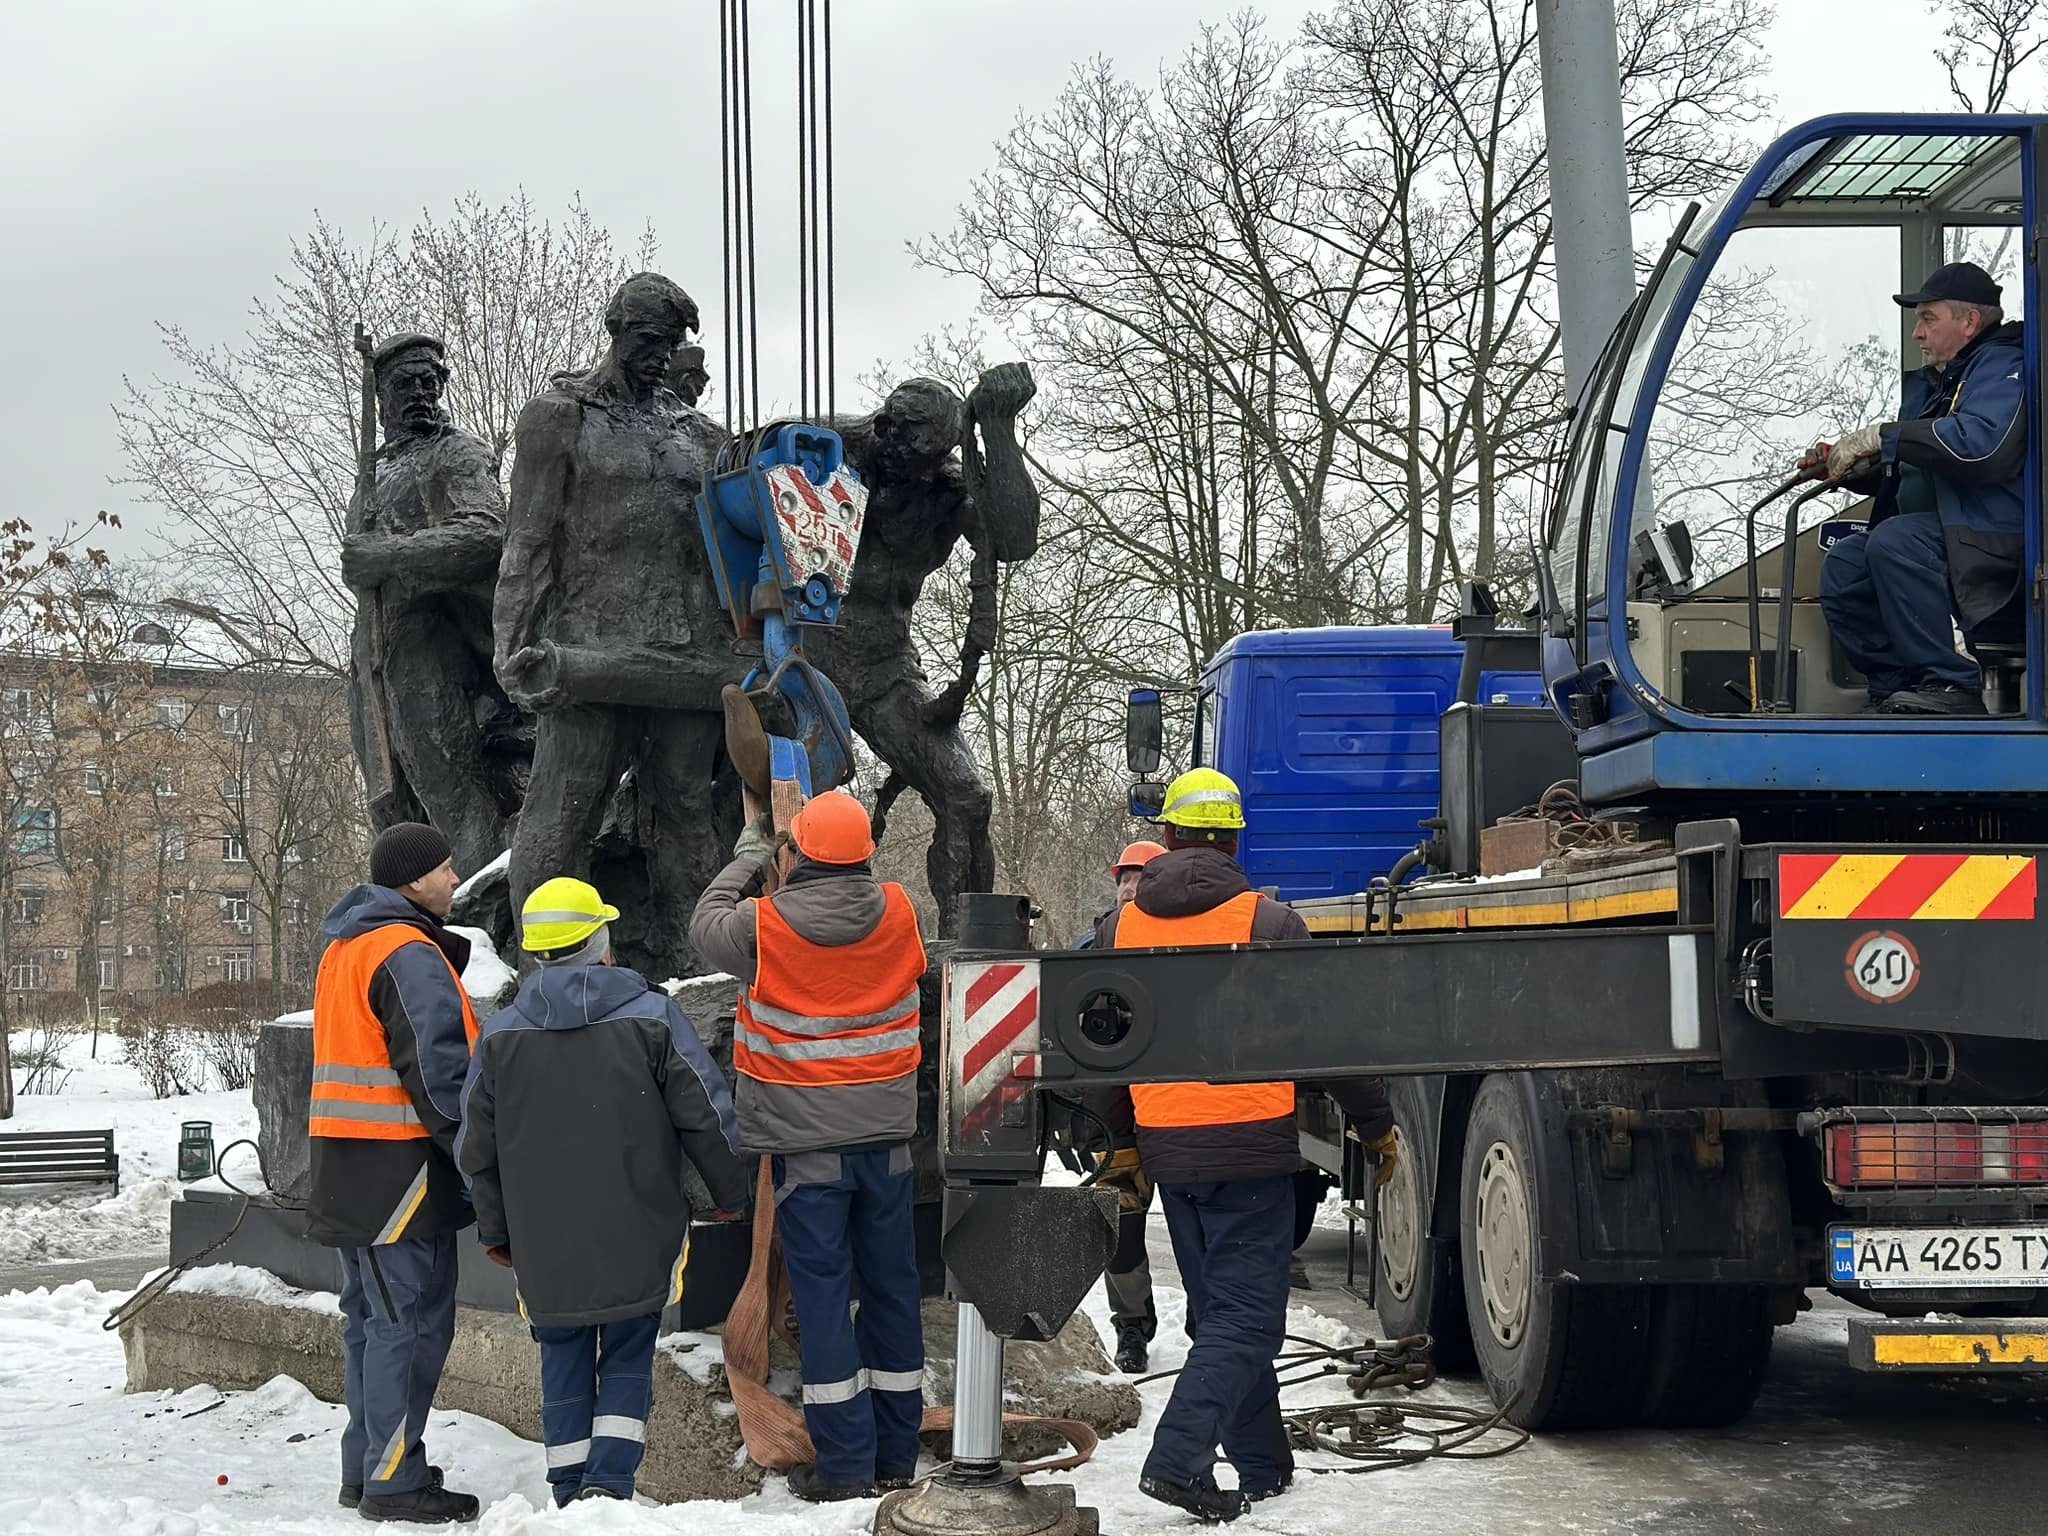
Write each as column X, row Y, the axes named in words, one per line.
column 1596, row 276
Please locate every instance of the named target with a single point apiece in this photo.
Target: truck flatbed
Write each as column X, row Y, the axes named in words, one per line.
column 1640, row 890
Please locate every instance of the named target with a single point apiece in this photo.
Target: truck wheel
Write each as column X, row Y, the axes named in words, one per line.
column 1709, row 1347
column 1557, row 1356
column 1419, row 1290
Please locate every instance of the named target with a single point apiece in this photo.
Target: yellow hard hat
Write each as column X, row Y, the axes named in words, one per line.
column 1203, row 799
column 561, row 914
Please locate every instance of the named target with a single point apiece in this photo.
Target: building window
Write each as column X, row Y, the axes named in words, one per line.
column 174, row 902
column 234, row 721
column 21, row 703
column 35, row 831
column 110, row 973
column 25, row 907
column 95, row 780
column 295, row 911
column 105, row 700
column 25, row 974
column 171, row 713
column 234, row 788
column 232, row 850
column 173, row 844
column 237, row 965
column 169, row 781
column 234, row 907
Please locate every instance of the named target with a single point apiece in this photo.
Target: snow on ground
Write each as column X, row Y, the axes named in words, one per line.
column 83, row 1459
column 38, row 1225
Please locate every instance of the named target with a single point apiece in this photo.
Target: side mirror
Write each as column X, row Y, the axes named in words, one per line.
column 1144, row 731
column 1148, row 800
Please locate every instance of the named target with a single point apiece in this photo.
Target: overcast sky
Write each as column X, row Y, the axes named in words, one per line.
column 161, row 158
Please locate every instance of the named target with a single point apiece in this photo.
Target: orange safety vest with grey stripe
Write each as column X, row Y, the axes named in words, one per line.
column 356, row 1091
column 826, row 1016
column 1162, row 1106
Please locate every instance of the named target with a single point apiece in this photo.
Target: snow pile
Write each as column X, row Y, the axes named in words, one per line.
column 700, row 1356
column 247, row 1284
column 502, row 862
column 486, row 976
column 89, row 1221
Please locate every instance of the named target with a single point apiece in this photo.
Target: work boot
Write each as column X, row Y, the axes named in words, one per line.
column 1131, row 1350
column 890, row 1482
column 1934, row 699
column 805, row 1483
column 594, row 1493
column 352, row 1493
column 1205, row 1501
column 427, row 1504
column 1297, row 1275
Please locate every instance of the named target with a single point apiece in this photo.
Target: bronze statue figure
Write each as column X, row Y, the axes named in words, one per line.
column 607, row 625
column 422, row 558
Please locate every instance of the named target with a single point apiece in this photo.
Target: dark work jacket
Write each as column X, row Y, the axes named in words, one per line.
column 583, row 1100
column 1185, row 883
column 1961, row 443
column 359, row 1184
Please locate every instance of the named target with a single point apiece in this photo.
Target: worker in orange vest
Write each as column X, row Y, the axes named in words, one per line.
column 1223, row 1159
column 825, row 1056
column 392, row 1033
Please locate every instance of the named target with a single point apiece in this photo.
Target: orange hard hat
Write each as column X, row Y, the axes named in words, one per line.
column 1136, row 856
column 833, row 828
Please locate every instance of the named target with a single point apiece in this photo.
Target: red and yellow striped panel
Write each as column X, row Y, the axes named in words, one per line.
column 1898, row 887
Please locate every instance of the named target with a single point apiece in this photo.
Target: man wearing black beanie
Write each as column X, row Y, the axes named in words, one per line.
column 392, row 1035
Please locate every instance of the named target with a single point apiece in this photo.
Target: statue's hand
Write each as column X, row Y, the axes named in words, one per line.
column 1004, row 390
column 522, row 675
column 365, row 560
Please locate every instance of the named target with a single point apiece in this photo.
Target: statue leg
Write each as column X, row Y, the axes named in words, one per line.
column 687, row 825
column 433, row 680
column 937, row 764
column 578, row 753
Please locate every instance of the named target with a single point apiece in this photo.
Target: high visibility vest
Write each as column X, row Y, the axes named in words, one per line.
column 823, row 1016
column 356, row 1092
column 1160, row 1105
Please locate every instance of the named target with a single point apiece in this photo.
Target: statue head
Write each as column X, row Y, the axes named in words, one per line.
column 916, row 428
column 687, row 375
column 647, row 319
column 410, row 372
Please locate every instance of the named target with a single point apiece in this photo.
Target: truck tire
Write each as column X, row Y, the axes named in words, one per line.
column 1709, row 1348
column 1418, row 1288
column 1556, row 1356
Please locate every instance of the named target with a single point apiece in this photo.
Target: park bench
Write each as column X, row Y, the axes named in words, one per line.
column 58, row 1157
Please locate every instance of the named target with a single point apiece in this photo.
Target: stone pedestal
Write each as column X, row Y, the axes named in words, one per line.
column 282, row 1086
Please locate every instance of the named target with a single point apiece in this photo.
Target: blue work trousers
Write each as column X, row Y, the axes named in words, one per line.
column 843, row 1215
column 1886, row 597
column 1233, row 1242
column 596, row 1390
column 398, row 1303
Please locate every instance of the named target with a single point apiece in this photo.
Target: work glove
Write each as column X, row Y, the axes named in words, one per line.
column 1813, row 464
column 499, row 1253
column 1385, row 1151
column 1852, row 452
column 757, row 842
column 1123, row 1172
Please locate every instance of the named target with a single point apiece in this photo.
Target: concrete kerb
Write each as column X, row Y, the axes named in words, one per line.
column 694, row 1447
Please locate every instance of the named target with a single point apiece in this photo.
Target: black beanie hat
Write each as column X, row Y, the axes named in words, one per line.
column 403, row 853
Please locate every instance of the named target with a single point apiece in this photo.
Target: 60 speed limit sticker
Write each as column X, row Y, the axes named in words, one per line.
column 1883, row 967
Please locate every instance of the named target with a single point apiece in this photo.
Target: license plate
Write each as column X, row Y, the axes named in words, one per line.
column 1871, row 1258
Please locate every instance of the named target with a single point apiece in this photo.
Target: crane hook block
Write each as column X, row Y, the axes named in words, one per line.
column 781, row 513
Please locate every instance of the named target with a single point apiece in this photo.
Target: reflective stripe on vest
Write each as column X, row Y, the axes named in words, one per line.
column 823, row 1016
column 357, row 1093
column 1160, row 1105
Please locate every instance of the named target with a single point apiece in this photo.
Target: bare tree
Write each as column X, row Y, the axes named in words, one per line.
column 1987, row 46
column 249, row 447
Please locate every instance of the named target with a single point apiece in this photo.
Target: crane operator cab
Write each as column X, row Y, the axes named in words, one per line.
column 1723, row 615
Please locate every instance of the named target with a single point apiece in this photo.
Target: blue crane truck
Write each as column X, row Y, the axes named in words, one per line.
column 1702, row 985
